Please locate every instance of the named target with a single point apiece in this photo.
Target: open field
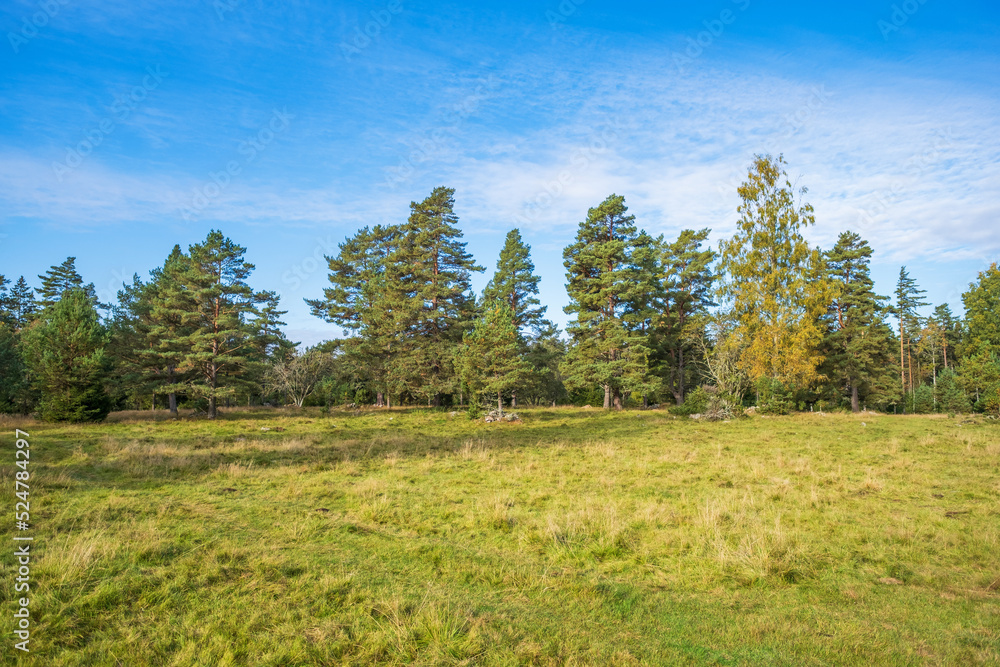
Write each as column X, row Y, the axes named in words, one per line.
column 577, row 537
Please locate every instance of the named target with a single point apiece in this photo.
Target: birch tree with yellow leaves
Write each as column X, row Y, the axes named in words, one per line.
column 774, row 289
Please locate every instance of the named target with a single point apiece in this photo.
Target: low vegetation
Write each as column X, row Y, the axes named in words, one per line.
column 573, row 537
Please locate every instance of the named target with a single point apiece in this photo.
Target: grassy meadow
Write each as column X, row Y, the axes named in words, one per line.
column 577, row 537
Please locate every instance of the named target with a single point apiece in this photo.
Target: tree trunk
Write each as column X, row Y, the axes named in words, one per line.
column 154, row 402
column 607, row 397
column 679, row 394
column 379, row 400
column 500, row 402
column 618, row 401
column 855, row 404
column 172, row 400
column 212, row 410
column 513, row 400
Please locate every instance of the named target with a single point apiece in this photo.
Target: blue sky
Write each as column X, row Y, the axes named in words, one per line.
column 127, row 127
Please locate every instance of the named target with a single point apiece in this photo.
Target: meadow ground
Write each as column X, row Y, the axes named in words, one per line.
column 577, row 537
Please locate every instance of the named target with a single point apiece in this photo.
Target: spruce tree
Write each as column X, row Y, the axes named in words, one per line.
column 6, row 303
column 22, row 303
column 857, row 345
column 516, row 284
column 65, row 350
column 604, row 284
column 491, row 358
column 951, row 334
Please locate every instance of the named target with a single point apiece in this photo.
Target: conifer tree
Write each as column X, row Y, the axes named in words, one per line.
column 58, row 279
column 22, row 303
column 170, row 306
column 367, row 299
column 435, row 304
column 604, row 284
column 774, row 288
column 65, row 350
column 6, row 303
column 219, row 343
column 951, row 334
column 515, row 283
column 491, row 358
column 908, row 300
column 685, row 271
column 857, row 345
column 14, row 386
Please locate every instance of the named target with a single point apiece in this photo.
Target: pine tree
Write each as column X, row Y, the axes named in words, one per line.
column 65, row 349
column 22, row 303
column 58, row 279
column 604, row 285
column 367, row 299
column 775, row 289
column 951, row 334
column 908, row 300
column 491, row 358
column 515, row 283
column 435, row 306
column 687, row 279
column 857, row 345
column 128, row 339
column 169, row 327
column 219, row 343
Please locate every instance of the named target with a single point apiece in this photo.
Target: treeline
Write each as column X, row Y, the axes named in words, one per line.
column 766, row 321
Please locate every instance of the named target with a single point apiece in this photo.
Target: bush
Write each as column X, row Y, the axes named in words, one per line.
column 696, row 402
column 951, row 397
column 775, row 399
column 923, row 400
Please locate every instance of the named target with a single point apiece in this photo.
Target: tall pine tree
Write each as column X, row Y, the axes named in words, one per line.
column 858, row 342
column 604, row 284
column 218, row 345
column 908, row 300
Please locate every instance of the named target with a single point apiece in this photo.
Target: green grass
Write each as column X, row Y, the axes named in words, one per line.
column 577, row 537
